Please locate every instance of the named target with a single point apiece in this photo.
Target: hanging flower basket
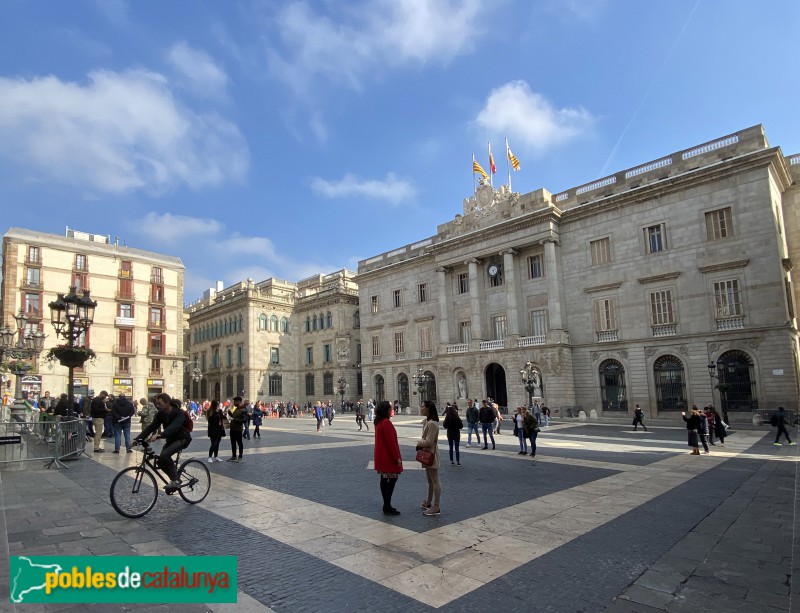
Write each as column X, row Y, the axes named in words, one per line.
column 71, row 357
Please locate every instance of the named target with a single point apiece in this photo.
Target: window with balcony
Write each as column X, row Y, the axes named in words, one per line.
column 274, row 355
column 376, row 346
column 463, row 283
column 661, row 311
column 33, row 277
column 125, row 310
column 535, row 267
column 33, row 256
column 600, row 251
column 125, row 344
column 399, row 345
column 81, row 262
column 126, row 269
column 156, row 275
column 80, row 281
column 125, row 291
column 155, row 343
column 156, row 318
column 422, row 292
column 157, row 294
column 123, row 365
column 397, row 297
column 538, row 323
column 32, row 303
column 727, row 299
column 499, row 327
column 373, row 301
column 464, row 332
column 655, row 238
column 425, row 344
column 718, row 224
column 605, row 318
column 155, row 367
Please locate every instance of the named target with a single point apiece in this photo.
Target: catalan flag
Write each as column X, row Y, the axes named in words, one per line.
column 512, row 158
column 477, row 168
column 492, row 167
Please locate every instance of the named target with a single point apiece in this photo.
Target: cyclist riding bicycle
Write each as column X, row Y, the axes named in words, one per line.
column 176, row 437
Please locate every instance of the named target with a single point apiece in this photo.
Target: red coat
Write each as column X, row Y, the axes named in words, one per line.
column 387, row 449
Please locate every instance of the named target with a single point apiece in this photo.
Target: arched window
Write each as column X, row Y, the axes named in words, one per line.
column 327, row 383
column 284, row 325
column 430, row 386
column 329, row 320
column 240, row 385
column 612, row 386
column 402, row 390
column 309, row 384
column 737, row 383
column 273, row 323
column 262, row 321
column 670, row 383
column 275, row 384
column 321, row 321
column 314, row 324
column 229, row 386
column 308, row 324
column 357, row 319
column 380, row 389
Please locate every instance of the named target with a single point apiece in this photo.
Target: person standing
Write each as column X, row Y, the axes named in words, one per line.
column 147, row 413
column 519, row 430
column 486, row 417
column 498, row 418
column 473, row 421
column 318, row 414
column 638, row 418
column 360, row 415
column 719, row 425
column 388, row 461
column 430, row 442
column 692, row 429
column 122, row 412
column 530, row 429
column 216, row 429
column 703, row 429
column 780, row 423
column 258, row 416
column 237, row 418
column 453, row 426
column 98, row 411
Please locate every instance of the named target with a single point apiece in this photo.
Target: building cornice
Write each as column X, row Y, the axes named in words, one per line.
column 602, row 288
column 667, row 276
column 730, row 265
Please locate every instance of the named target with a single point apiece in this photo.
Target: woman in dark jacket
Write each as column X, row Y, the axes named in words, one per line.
column 258, row 415
column 692, row 427
column 216, row 430
column 453, row 425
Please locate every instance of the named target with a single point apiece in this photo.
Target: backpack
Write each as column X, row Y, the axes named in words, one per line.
column 188, row 424
column 773, row 420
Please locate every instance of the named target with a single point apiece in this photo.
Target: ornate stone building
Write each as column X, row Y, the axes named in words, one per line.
column 621, row 291
column 277, row 340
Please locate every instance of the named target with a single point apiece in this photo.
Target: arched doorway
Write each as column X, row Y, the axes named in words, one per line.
column 216, row 390
column 612, row 386
column 380, row 388
column 402, row 390
column 670, row 384
column 496, row 384
column 737, row 384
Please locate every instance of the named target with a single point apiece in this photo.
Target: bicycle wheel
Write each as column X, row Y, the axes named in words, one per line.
column 134, row 492
column 196, row 479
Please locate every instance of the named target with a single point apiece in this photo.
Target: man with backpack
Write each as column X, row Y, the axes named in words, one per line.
column 778, row 420
column 177, row 427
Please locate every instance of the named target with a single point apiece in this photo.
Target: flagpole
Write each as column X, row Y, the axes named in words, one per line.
column 474, row 186
column 489, row 148
column 508, row 167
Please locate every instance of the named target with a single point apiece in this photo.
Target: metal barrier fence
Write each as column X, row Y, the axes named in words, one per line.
column 765, row 414
column 50, row 441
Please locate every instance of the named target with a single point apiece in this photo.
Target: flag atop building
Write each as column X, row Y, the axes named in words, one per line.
column 477, row 168
column 512, row 158
column 492, row 167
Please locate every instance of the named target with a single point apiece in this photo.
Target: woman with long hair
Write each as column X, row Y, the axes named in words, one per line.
column 388, row 461
column 430, row 441
column 453, row 425
column 216, row 430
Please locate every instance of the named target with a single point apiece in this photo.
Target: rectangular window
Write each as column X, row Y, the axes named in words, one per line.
column 601, row 251
column 33, row 256
column 123, row 365
column 309, row 384
column 81, row 263
column 126, row 341
column 605, row 314
column 398, row 343
column 157, row 294
column 500, row 327
column 156, row 343
column 125, row 310
column 229, row 357
column 726, row 299
column 156, row 317
column 535, row 269
column 326, row 353
column 32, row 277
column 718, row 224
column 126, row 269
column 309, row 355
column 464, row 332
column 32, row 305
column 425, row 338
column 422, row 292
column 661, row 311
column 240, row 355
column 327, row 383
column 463, row 283
column 538, row 322
column 125, row 289
column 373, row 301
column 376, row 346
column 155, row 367
column 156, row 275
column 655, row 238
column 274, row 355
column 397, row 295
column 275, row 385
column 358, row 353
column 80, row 281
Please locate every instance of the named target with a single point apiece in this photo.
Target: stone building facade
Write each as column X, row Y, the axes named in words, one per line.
column 138, row 326
column 277, row 340
column 621, row 291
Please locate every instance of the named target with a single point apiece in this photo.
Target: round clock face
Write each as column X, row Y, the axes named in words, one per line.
column 493, row 270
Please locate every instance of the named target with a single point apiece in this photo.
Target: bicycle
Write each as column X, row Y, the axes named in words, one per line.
column 134, row 490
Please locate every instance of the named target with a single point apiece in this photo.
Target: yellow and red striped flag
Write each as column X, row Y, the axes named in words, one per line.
column 512, row 158
column 477, row 168
column 492, row 167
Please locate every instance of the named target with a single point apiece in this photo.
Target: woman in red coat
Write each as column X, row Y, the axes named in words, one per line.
column 388, row 461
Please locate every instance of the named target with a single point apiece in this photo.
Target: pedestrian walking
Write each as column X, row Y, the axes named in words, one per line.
column 778, row 420
column 388, row 461
column 638, row 418
column 704, row 429
column 693, row 429
column 531, row 425
column 360, row 416
column 258, row 417
column 237, row 418
column 319, row 414
column 430, row 442
column 216, row 430
column 720, row 427
column 519, row 431
column 473, row 422
column 453, row 426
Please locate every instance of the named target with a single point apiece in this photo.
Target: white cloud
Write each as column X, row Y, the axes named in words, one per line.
column 392, row 189
column 375, row 34
column 201, row 73
column 117, row 133
column 528, row 118
column 171, row 228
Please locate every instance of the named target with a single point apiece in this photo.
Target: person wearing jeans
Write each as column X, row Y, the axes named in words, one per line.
column 237, row 417
column 472, row 422
column 216, row 430
column 519, row 428
column 487, row 417
column 122, row 411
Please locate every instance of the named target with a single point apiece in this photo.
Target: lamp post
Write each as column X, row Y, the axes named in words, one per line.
column 341, row 388
column 421, row 381
column 72, row 316
column 529, row 376
column 718, row 370
column 17, row 353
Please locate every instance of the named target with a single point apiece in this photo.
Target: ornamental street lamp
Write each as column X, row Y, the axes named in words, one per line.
column 72, row 316
column 530, row 379
column 341, row 388
column 421, row 381
column 17, row 354
column 722, row 371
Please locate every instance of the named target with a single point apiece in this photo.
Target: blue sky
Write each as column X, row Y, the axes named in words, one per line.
column 267, row 138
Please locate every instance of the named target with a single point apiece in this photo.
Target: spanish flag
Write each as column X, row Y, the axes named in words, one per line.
column 512, row 158
column 477, row 168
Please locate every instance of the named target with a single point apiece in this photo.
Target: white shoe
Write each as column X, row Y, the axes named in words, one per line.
column 219, row 459
column 210, row 460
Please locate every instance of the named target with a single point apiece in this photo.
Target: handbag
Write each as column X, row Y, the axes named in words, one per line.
column 424, row 457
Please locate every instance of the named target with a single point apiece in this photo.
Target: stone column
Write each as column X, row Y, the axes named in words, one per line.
column 475, row 301
column 553, row 275
column 444, row 320
column 511, row 291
